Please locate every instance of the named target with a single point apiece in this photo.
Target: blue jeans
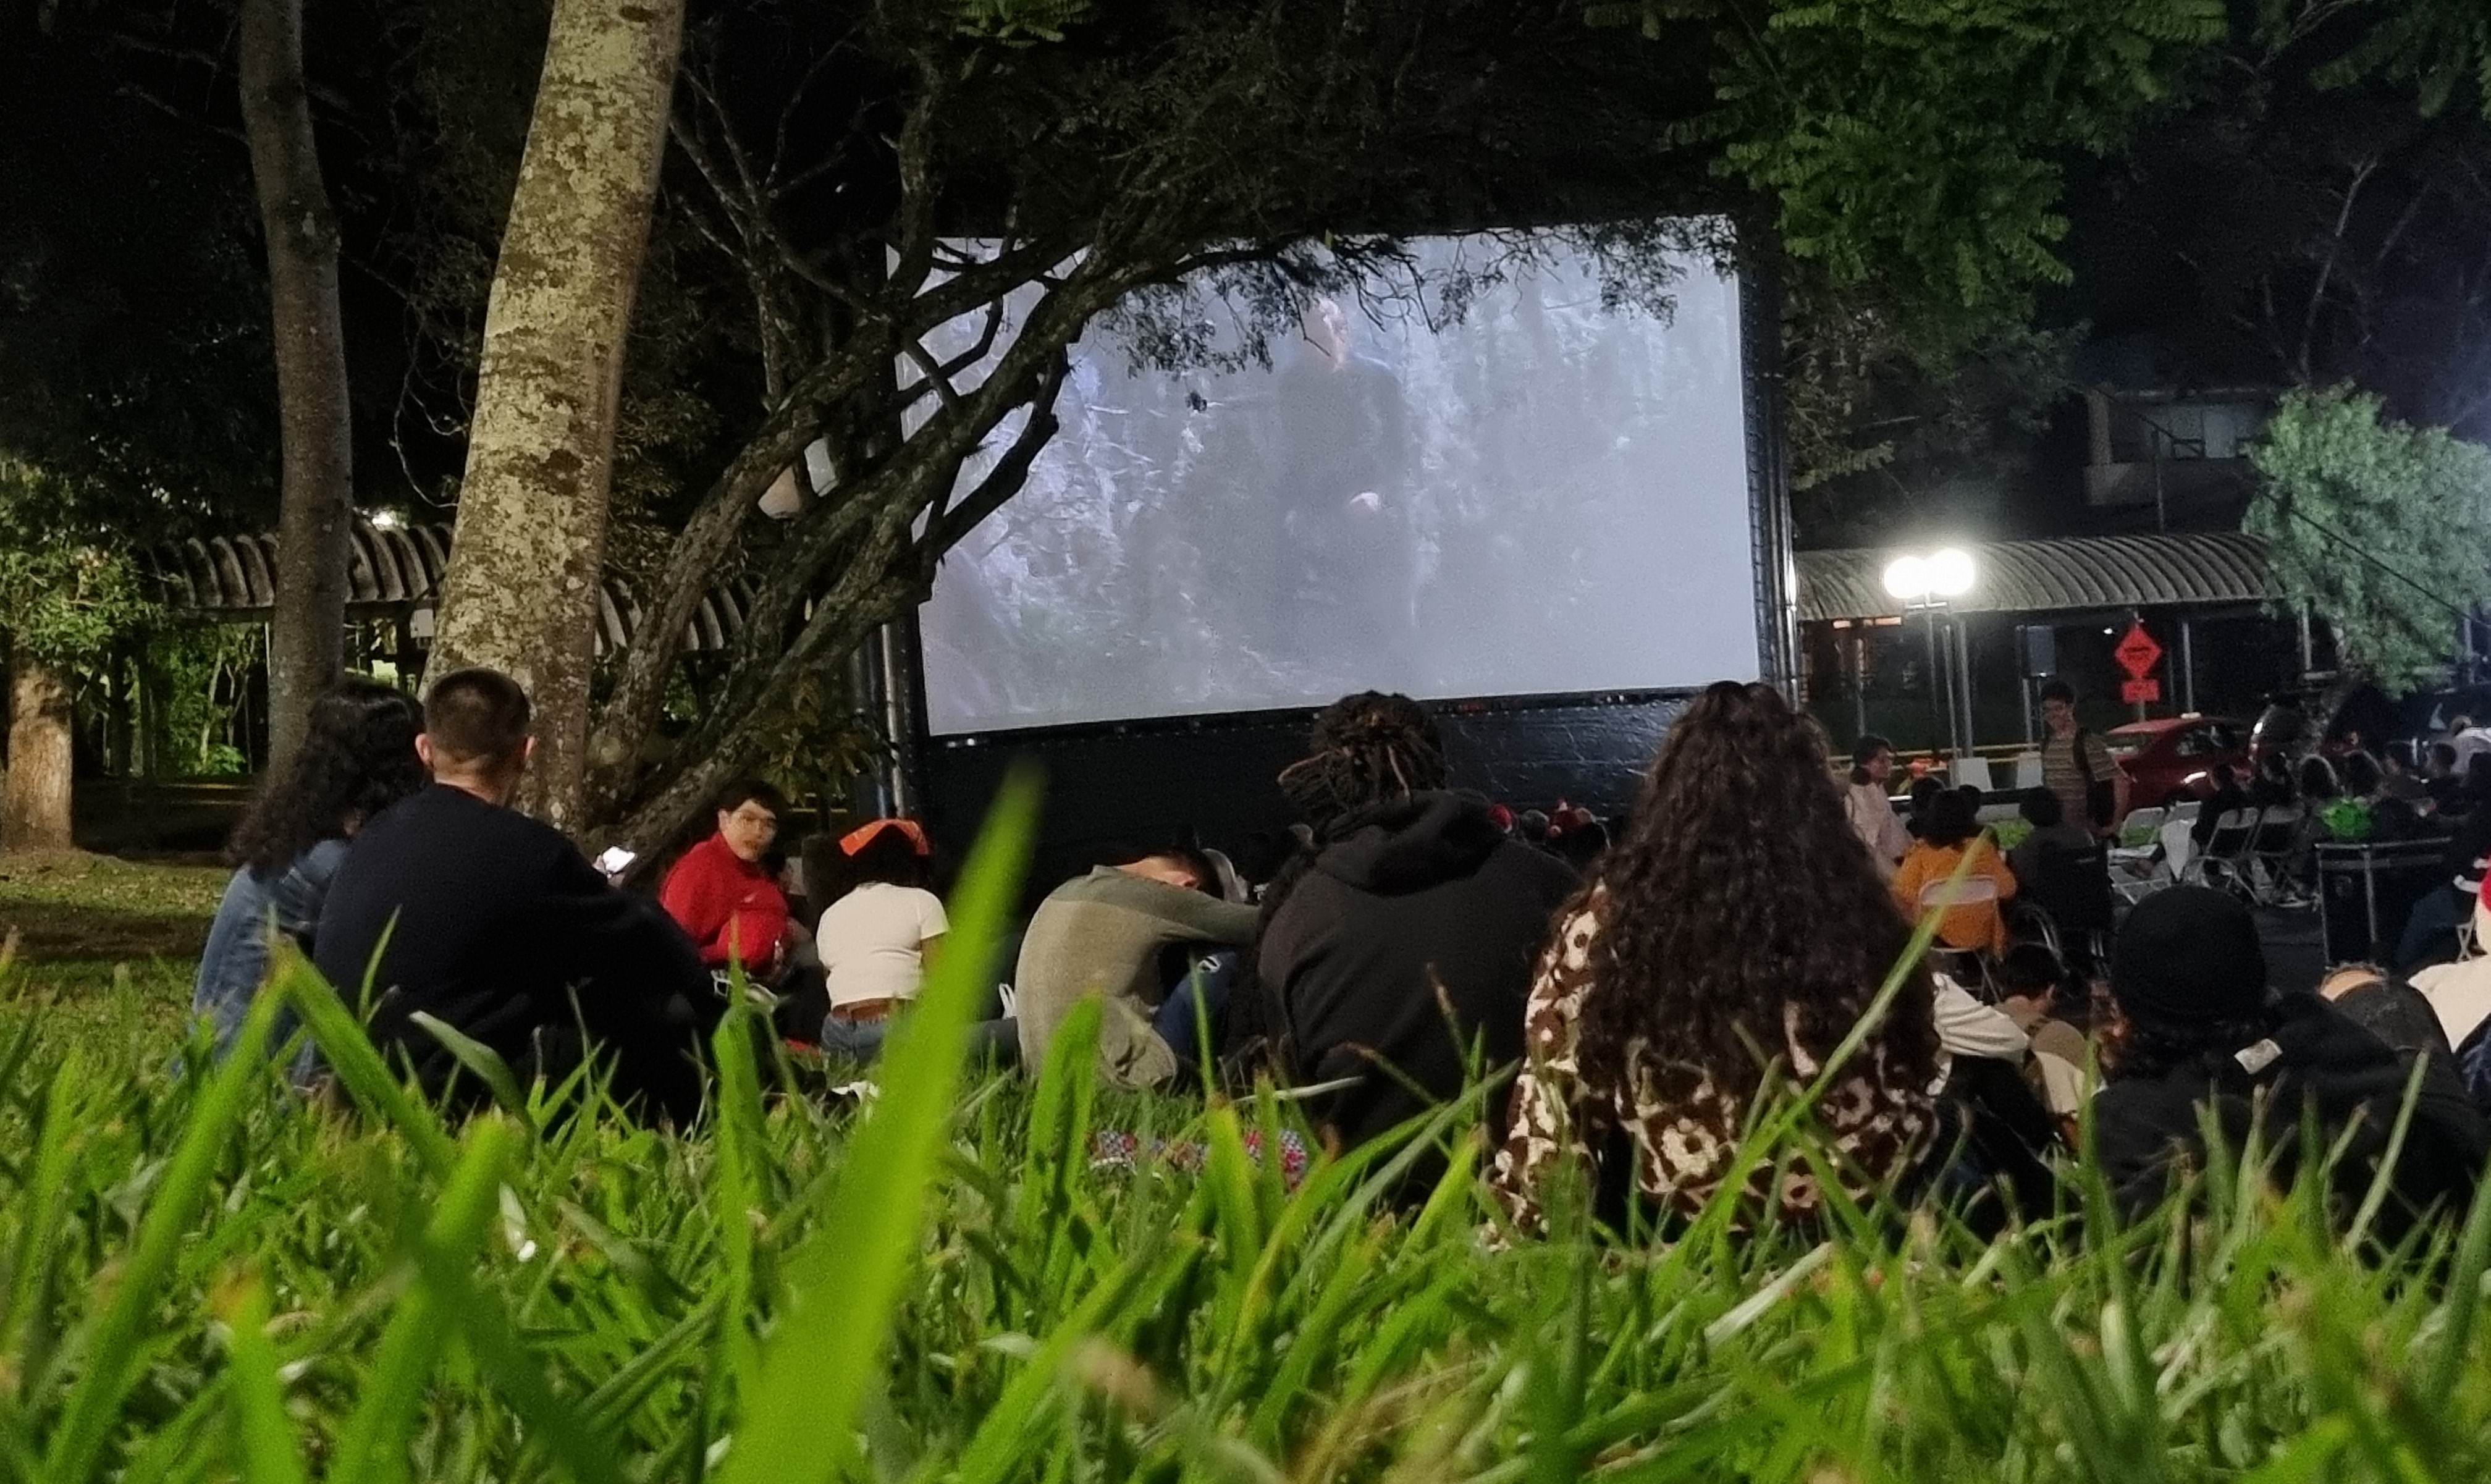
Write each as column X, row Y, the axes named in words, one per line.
column 1197, row 1005
column 860, row 1040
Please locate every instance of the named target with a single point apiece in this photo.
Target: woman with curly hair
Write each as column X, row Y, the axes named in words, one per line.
column 357, row 759
column 1733, row 938
column 1402, row 938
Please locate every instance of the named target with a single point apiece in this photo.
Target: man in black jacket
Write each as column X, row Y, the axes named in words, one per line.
column 2197, row 1032
column 1410, row 932
column 454, row 905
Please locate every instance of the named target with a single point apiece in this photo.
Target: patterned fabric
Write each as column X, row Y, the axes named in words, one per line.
column 1122, row 1150
column 2064, row 775
column 1683, row 1151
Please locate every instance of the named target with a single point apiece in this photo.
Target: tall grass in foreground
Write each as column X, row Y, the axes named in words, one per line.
column 205, row 1279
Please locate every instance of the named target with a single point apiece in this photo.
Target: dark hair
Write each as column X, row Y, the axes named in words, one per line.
column 476, row 716
column 1863, row 752
column 2143, row 1045
column 1738, row 889
column 1972, row 794
column 2443, row 754
column 1368, row 749
column 1950, row 820
column 2399, row 755
column 2042, row 807
column 2361, row 776
column 742, row 791
column 889, row 856
column 1183, row 852
column 357, row 759
column 2059, row 690
column 2224, row 774
column 2316, row 779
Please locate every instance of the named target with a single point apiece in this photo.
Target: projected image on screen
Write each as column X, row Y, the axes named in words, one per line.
column 1544, row 496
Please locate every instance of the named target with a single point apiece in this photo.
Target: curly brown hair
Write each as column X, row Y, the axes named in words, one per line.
column 1740, row 887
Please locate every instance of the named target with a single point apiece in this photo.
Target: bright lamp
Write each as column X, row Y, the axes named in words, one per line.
column 1950, row 573
column 1907, row 578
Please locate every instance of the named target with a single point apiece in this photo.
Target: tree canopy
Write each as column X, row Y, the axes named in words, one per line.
column 2376, row 526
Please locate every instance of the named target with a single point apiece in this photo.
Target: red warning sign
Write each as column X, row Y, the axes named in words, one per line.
column 2137, row 653
column 2140, row 692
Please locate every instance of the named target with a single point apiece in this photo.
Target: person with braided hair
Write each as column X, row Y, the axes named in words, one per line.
column 1402, row 940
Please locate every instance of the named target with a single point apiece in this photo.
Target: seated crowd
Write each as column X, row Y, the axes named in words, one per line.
column 1652, row 990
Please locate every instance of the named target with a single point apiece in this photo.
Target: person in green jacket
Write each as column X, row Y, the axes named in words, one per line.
column 1104, row 934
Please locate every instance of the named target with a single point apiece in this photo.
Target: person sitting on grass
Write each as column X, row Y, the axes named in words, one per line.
column 452, row 905
column 879, row 934
column 1950, row 833
column 1736, row 919
column 1406, row 935
column 1111, row 933
column 357, row 758
column 2197, row 1034
column 724, row 891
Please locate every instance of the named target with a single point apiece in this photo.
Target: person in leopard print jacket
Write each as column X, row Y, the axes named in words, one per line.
column 1732, row 939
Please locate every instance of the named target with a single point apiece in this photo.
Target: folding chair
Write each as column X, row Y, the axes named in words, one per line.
column 2222, row 864
column 2278, row 840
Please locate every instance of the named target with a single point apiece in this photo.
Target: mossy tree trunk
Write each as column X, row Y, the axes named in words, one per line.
column 316, row 509
column 522, row 590
column 34, row 795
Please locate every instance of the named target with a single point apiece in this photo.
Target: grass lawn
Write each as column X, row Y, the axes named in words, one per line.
column 205, row 1278
column 106, row 947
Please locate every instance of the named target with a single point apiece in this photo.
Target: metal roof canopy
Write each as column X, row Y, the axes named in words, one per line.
column 391, row 573
column 2070, row 575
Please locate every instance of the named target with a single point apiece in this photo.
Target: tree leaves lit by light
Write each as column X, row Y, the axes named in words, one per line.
column 2381, row 528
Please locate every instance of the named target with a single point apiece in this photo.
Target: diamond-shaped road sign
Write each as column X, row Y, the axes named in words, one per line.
column 2137, row 653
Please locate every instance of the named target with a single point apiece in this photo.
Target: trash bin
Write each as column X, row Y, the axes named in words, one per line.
column 2366, row 890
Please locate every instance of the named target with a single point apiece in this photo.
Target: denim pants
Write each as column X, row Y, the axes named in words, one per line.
column 1197, row 1005
column 990, row 1040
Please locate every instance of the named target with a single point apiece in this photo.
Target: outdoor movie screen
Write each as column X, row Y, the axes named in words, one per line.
column 1546, row 494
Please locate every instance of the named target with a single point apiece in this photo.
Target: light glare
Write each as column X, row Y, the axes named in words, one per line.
column 1951, row 573
column 1907, row 578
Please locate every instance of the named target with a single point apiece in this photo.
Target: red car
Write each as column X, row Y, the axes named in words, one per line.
column 2175, row 756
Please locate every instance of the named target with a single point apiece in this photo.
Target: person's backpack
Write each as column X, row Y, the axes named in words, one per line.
column 2102, row 795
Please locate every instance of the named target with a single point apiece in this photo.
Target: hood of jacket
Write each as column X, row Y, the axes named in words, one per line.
column 1410, row 844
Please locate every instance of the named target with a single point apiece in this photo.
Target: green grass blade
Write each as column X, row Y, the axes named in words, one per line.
column 359, row 1065
column 845, row 1282
column 112, row 1346
column 482, row 1063
column 261, row 1429
column 372, row 1448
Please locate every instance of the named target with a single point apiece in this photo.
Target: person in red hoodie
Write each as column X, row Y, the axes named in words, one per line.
column 724, row 891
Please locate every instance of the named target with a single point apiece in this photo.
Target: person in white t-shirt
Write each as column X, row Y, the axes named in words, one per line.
column 878, row 939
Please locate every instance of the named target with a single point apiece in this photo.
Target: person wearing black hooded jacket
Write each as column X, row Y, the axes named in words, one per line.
column 1407, row 936
column 2197, row 1030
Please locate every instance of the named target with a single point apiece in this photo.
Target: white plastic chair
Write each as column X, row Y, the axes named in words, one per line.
column 2028, row 772
column 1964, row 965
column 1973, row 771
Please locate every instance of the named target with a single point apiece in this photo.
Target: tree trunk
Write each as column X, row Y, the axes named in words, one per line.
column 522, row 593
column 316, row 511
column 34, row 795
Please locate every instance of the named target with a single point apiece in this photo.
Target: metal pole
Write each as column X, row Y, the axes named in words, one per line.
column 2187, row 667
column 1954, row 738
column 1963, row 657
column 1859, row 683
column 1931, row 609
column 2306, row 655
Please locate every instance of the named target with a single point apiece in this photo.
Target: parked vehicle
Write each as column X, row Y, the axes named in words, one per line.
column 2174, row 756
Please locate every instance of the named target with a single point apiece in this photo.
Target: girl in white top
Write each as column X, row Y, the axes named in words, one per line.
column 878, row 939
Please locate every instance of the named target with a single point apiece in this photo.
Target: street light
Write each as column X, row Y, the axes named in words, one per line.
column 1929, row 583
